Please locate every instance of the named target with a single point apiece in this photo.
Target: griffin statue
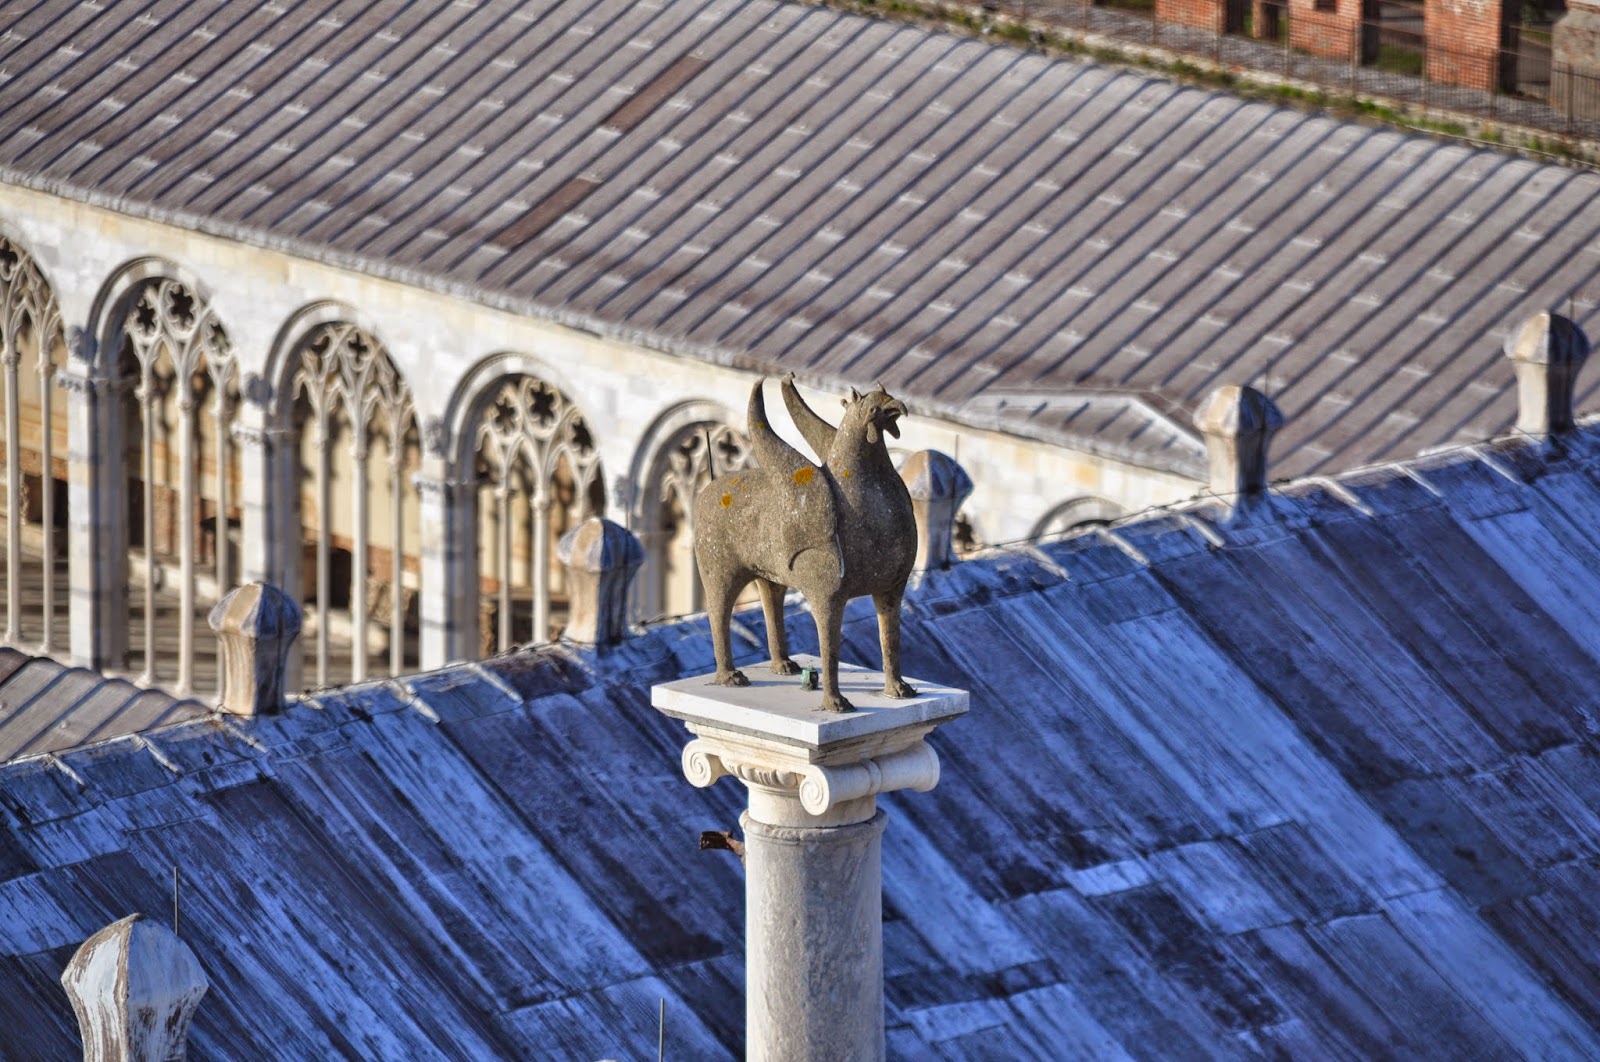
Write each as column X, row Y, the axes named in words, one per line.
column 834, row 530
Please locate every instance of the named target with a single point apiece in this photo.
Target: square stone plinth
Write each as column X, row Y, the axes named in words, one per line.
column 777, row 709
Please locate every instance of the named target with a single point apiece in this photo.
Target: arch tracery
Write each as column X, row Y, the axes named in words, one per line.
column 31, row 327
column 347, row 409
column 171, row 343
column 537, row 473
column 685, row 462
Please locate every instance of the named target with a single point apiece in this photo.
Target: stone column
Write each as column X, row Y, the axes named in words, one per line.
column 448, row 606
column 267, row 485
column 813, row 832
column 10, row 359
column 97, row 536
column 541, row 566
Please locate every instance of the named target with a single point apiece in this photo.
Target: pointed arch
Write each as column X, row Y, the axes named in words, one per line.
column 32, row 344
column 524, row 449
column 174, row 382
column 681, row 452
column 346, row 419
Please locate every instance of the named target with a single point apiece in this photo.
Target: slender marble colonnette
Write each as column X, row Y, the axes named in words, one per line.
column 813, row 840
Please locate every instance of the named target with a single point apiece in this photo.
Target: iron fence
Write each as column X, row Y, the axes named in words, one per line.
column 1388, row 58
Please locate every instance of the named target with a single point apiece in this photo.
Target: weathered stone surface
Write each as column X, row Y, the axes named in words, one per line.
column 837, row 529
column 255, row 624
column 1238, row 424
column 1575, row 61
column 938, row 488
column 1548, row 352
column 601, row 560
column 814, row 957
column 135, row 987
column 812, row 845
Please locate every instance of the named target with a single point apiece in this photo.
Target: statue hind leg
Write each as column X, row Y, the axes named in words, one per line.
column 720, row 596
column 829, row 615
column 777, row 638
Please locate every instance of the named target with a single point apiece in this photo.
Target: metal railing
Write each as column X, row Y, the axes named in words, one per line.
column 1386, row 59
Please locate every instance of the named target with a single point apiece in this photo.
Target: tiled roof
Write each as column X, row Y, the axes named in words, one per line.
column 993, row 233
column 1319, row 781
column 46, row 706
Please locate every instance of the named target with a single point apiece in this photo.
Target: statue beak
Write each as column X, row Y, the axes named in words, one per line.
column 892, row 412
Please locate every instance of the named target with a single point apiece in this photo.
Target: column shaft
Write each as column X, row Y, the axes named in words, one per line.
column 188, row 492
column 97, row 517
column 397, row 559
column 48, row 501
column 541, row 568
column 263, row 492
column 13, row 633
column 814, row 942
column 359, row 563
column 449, row 591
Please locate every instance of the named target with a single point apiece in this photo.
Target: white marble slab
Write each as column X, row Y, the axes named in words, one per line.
column 777, row 708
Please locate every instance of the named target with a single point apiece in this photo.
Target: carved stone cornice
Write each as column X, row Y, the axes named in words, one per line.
column 72, row 383
column 254, row 435
column 431, row 487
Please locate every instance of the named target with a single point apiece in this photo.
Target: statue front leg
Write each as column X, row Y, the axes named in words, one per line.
column 830, row 635
column 888, row 606
column 719, row 611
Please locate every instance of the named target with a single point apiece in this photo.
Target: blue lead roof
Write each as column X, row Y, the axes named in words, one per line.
column 1320, row 782
column 1007, row 239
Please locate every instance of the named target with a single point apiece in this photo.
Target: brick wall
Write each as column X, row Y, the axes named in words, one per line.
column 1464, row 42
column 1465, row 38
column 1209, row 15
column 1331, row 33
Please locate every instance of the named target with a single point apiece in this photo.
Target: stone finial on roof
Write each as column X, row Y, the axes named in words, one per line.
column 256, row 624
column 135, row 987
column 1238, row 424
column 601, row 558
column 1548, row 350
column 938, row 488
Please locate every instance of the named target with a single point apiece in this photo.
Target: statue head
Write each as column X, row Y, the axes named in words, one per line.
column 872, row 413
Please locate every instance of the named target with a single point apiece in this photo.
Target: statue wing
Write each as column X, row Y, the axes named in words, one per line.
column 818, row 433
column 772, row 453
column 807, row 515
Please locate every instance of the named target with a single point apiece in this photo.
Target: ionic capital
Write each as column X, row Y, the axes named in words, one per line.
column 820, row 788
column 804, row 767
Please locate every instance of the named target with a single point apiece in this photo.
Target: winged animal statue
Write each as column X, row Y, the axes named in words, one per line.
column 837, row 528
